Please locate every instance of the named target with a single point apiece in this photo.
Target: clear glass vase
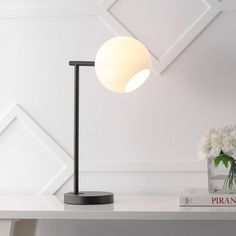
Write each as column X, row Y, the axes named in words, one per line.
column 221, row 179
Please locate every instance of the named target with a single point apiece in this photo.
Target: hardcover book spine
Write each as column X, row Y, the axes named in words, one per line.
column 227, row 201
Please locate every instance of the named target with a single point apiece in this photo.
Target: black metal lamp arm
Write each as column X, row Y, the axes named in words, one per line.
column 76, row 65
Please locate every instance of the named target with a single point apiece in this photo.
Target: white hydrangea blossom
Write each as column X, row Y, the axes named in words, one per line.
column 217, row 140
column 210, row 144
column 229, row 140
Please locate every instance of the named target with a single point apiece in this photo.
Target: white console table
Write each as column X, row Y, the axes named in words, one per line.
column 162, row 207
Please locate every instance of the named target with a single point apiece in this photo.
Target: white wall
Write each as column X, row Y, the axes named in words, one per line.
column 138, row 139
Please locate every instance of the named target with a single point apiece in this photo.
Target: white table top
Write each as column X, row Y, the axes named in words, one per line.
column 164, row 207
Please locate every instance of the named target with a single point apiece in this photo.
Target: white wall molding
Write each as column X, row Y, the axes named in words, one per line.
column 102, row 11
column 179, row 45
column 215, row 7
column 177, row 166
column 16, row 112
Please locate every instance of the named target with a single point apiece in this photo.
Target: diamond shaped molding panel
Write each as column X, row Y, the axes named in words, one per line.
column 178, row 41
column 204, row 16
column 160, row 23
column 35, row 163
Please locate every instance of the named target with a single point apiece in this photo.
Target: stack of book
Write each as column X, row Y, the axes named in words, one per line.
column 200, row 197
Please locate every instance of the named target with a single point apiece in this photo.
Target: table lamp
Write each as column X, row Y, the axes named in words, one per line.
column 122, row 64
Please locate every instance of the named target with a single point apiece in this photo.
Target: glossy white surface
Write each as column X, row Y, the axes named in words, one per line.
column 163, row 207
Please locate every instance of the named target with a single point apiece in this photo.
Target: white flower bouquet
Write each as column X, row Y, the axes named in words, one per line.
column 220, row 145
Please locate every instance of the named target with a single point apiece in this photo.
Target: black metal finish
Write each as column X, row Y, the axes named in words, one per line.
column 89, row 198
column 81, row 63
column 77, row 197
column 76, row 130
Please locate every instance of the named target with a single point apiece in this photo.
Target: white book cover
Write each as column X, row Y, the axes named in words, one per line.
column 201, row 197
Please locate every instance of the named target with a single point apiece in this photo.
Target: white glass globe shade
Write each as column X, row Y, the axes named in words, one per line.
column 123, row 64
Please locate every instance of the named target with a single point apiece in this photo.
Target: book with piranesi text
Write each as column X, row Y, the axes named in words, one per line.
column 200, row 197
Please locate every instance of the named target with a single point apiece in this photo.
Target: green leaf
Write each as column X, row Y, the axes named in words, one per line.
column 217, row 160
column 225, row 161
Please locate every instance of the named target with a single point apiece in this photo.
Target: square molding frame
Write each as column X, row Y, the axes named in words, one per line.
column 16, row 112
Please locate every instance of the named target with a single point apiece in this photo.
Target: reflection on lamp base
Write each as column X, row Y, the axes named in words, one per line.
column 88, row 198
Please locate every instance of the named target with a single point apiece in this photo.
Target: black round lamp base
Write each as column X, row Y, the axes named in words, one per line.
column 88, row 198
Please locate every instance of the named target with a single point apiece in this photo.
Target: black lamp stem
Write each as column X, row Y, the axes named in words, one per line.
column 76, row 65
column 76, row 130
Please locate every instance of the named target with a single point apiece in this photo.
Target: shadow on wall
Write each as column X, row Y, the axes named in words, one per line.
column 135, row 228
